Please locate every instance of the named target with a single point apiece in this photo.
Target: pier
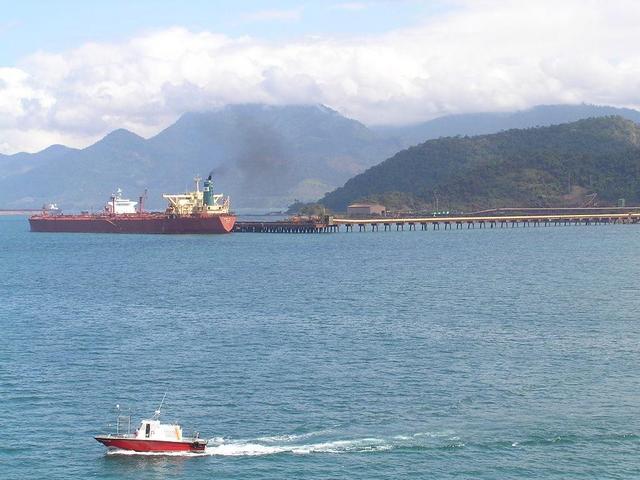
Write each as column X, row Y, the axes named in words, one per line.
column 335, row 224
column 472, row 222
column 288, row 226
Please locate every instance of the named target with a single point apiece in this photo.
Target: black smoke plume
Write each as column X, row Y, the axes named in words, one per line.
column 264, row 162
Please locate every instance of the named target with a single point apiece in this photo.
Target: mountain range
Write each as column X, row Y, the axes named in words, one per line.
column 493, row 122
column 263, row 156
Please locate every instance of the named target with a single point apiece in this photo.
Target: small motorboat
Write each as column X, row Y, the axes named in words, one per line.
column 151, row 436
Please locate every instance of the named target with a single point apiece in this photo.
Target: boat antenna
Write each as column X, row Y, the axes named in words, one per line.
column 156, row 414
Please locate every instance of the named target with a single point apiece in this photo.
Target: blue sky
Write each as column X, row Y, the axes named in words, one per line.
column 52, row 26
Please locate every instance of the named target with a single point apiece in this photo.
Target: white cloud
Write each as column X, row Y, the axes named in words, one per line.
column 482, row 55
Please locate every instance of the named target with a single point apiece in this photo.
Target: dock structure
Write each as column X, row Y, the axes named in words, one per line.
column 497, row 221
column 334, row 224
column 287, row 226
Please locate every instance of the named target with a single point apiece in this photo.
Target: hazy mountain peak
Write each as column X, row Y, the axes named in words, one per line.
column 56, row 149
column 491, row 122
column 120, row 135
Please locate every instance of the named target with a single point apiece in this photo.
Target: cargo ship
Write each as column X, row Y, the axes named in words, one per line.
column 196, row 212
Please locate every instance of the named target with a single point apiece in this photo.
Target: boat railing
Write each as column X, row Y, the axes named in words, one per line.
column 123, row 424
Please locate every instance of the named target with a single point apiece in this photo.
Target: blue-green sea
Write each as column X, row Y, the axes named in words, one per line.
column 471, row 354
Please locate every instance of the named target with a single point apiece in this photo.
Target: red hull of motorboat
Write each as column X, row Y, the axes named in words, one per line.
column 138, row 445
column 152, row 223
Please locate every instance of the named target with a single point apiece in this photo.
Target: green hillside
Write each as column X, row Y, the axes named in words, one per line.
column 560, row 165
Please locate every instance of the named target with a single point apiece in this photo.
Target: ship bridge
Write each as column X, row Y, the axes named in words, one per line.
column 198, row 201
column 118, row 205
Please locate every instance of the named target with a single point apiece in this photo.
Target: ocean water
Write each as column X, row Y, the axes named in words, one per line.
column 485, row 354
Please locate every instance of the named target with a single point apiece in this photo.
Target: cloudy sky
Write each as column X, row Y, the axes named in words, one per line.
column 71, row 71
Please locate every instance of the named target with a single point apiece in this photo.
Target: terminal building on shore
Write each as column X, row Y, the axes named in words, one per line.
column 366, row 210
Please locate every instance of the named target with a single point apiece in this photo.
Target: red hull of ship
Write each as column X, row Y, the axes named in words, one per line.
column 137, row 445
column 134, row 223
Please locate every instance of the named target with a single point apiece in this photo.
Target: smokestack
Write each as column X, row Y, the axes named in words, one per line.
column 207, row 189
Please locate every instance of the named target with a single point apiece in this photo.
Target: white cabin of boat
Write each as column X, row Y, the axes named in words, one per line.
column 154, row 430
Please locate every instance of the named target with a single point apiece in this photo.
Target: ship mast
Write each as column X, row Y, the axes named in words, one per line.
column 156, row 414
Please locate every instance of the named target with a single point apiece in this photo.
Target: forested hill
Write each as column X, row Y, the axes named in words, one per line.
column 560, row 165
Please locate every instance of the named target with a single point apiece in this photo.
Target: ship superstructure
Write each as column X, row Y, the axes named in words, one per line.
column 199, row 201
column 118, row 205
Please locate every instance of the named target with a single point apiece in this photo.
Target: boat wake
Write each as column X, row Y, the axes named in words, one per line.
column 336, row 446
column 322, row 443
column 300, row 445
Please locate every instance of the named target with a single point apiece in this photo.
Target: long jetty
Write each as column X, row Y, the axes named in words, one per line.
column 289, row 226
column 334, row 224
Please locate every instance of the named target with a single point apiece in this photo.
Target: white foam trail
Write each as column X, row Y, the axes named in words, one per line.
column 277, row 444
column 239, row 449
column 337, row 446
column 432, row 434
column 242, row 449
column 292, row 437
